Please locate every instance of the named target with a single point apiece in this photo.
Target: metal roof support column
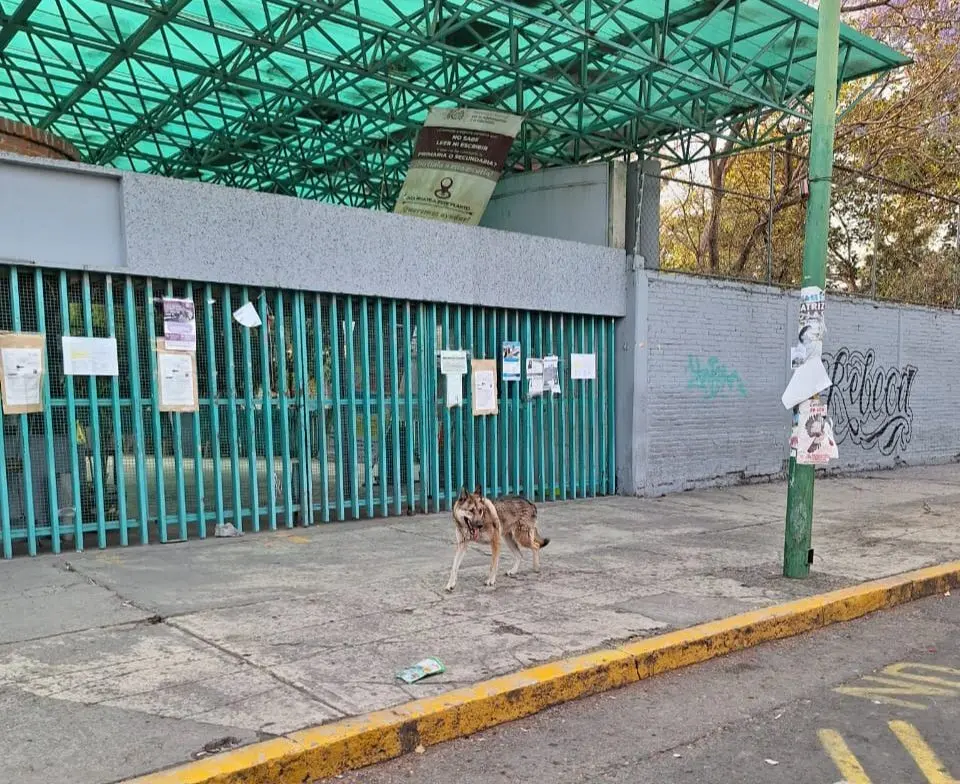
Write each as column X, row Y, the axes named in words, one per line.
column 797, row 553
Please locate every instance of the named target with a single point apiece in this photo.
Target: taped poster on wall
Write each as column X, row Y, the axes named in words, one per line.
column 90, row 356
column 179, row 324
column 583, row 367
column 511, row 360
column 484, row 377
column 21, row 372
column 456, row 164
column 815, row 442
column 177, row 380
column 551, row 374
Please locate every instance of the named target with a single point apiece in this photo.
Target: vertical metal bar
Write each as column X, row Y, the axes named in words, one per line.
column 253, row 471
column 5, row 500
column 550, row 431
column 351, row 379
column 460, row 477
column 447, row 431
column 48, row 433
column 212, row 387
column 282, row 391
column 423, row 361
column 381, row 409
column 26, row 465
column 198, row 463
column 876, row 241
column 595, row 399
column 541, row 429
column 155, row 415
column 497, row 442
column 527, row 418
column 302, row 410
column 178, row 457
column 136, row 400
column 320, row 381
column 337, row 401
column 772, row 194
column 471, row 476
column 612, row 408
column 504, row 415
column 232, row 424
column 408, row 403
column 367, row 407
column 482, row 454
column 569, row 484
column 434, row 418
column 518, row 394
column 94, row 423
column 72, row 428
column 395, row 408
column 585, row 391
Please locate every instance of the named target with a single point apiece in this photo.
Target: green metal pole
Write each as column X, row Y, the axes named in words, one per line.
column 796, row 547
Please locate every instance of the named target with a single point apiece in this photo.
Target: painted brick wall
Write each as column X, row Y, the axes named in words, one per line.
column 717, row 358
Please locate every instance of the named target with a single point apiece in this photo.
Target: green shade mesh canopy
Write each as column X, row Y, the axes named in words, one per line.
column 323, row 98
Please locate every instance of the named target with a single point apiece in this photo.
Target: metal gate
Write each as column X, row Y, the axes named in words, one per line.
column 328, row 411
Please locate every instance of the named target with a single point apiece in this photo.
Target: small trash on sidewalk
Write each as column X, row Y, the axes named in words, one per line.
column 422, row 669
column 226, row 530
column 771, row 762
column 420, row 749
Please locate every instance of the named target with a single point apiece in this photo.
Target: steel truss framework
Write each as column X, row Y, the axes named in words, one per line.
column 323, row 98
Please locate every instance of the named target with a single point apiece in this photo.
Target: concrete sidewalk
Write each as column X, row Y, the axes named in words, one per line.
column 120, row 662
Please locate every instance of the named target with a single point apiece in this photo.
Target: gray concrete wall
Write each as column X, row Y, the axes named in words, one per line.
column 577, row 203
column 196, row 231
column 717, row 360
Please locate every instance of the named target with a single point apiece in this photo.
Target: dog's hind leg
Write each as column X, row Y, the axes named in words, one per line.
column 457, row 559
column 517, row 555
column 494, row 561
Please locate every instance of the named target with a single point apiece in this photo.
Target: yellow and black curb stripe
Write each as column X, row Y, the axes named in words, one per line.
column 348, row 744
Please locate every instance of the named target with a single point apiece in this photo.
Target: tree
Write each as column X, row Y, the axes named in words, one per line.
column 906, row 131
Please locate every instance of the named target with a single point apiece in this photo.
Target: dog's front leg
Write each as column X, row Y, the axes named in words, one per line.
column 457, row 558
column 494, row 560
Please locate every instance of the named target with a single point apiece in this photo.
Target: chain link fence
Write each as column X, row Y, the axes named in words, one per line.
column 742, row 217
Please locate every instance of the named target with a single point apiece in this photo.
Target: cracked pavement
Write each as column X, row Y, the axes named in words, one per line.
column 117, row 662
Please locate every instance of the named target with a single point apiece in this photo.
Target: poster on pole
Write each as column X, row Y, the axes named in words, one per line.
column 21, row 372
column 816, row 444
column 179, row 324
column 456, row 164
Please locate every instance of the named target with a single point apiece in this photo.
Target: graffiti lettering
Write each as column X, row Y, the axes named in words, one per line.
column 713, row 378
column 870, row 404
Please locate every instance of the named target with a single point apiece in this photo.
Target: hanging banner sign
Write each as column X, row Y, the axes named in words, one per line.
column 456, row 164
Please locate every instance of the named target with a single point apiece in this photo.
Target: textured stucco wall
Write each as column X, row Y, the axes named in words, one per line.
column 717, row 362
column 196, row 231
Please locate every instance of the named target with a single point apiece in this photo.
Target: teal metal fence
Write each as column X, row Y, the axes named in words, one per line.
column 331, row 410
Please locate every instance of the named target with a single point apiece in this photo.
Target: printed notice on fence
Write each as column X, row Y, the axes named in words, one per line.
column 551, row 375
column 583, row 367
column 510, row 351
column 90, row 356
column 484, row 377
column 456, row 164
column 21, row 358
column 177, row 374
column 179, row 324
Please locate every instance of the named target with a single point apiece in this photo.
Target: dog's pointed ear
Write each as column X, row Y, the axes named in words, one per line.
column 463, row 494
column 478, row 492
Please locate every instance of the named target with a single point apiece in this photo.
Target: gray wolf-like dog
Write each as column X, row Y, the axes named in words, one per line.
column 482, row 520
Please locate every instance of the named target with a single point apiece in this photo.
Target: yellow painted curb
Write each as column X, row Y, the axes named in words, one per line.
column 330, row 749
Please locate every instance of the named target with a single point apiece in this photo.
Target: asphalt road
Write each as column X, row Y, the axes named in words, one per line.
column 876, row 701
